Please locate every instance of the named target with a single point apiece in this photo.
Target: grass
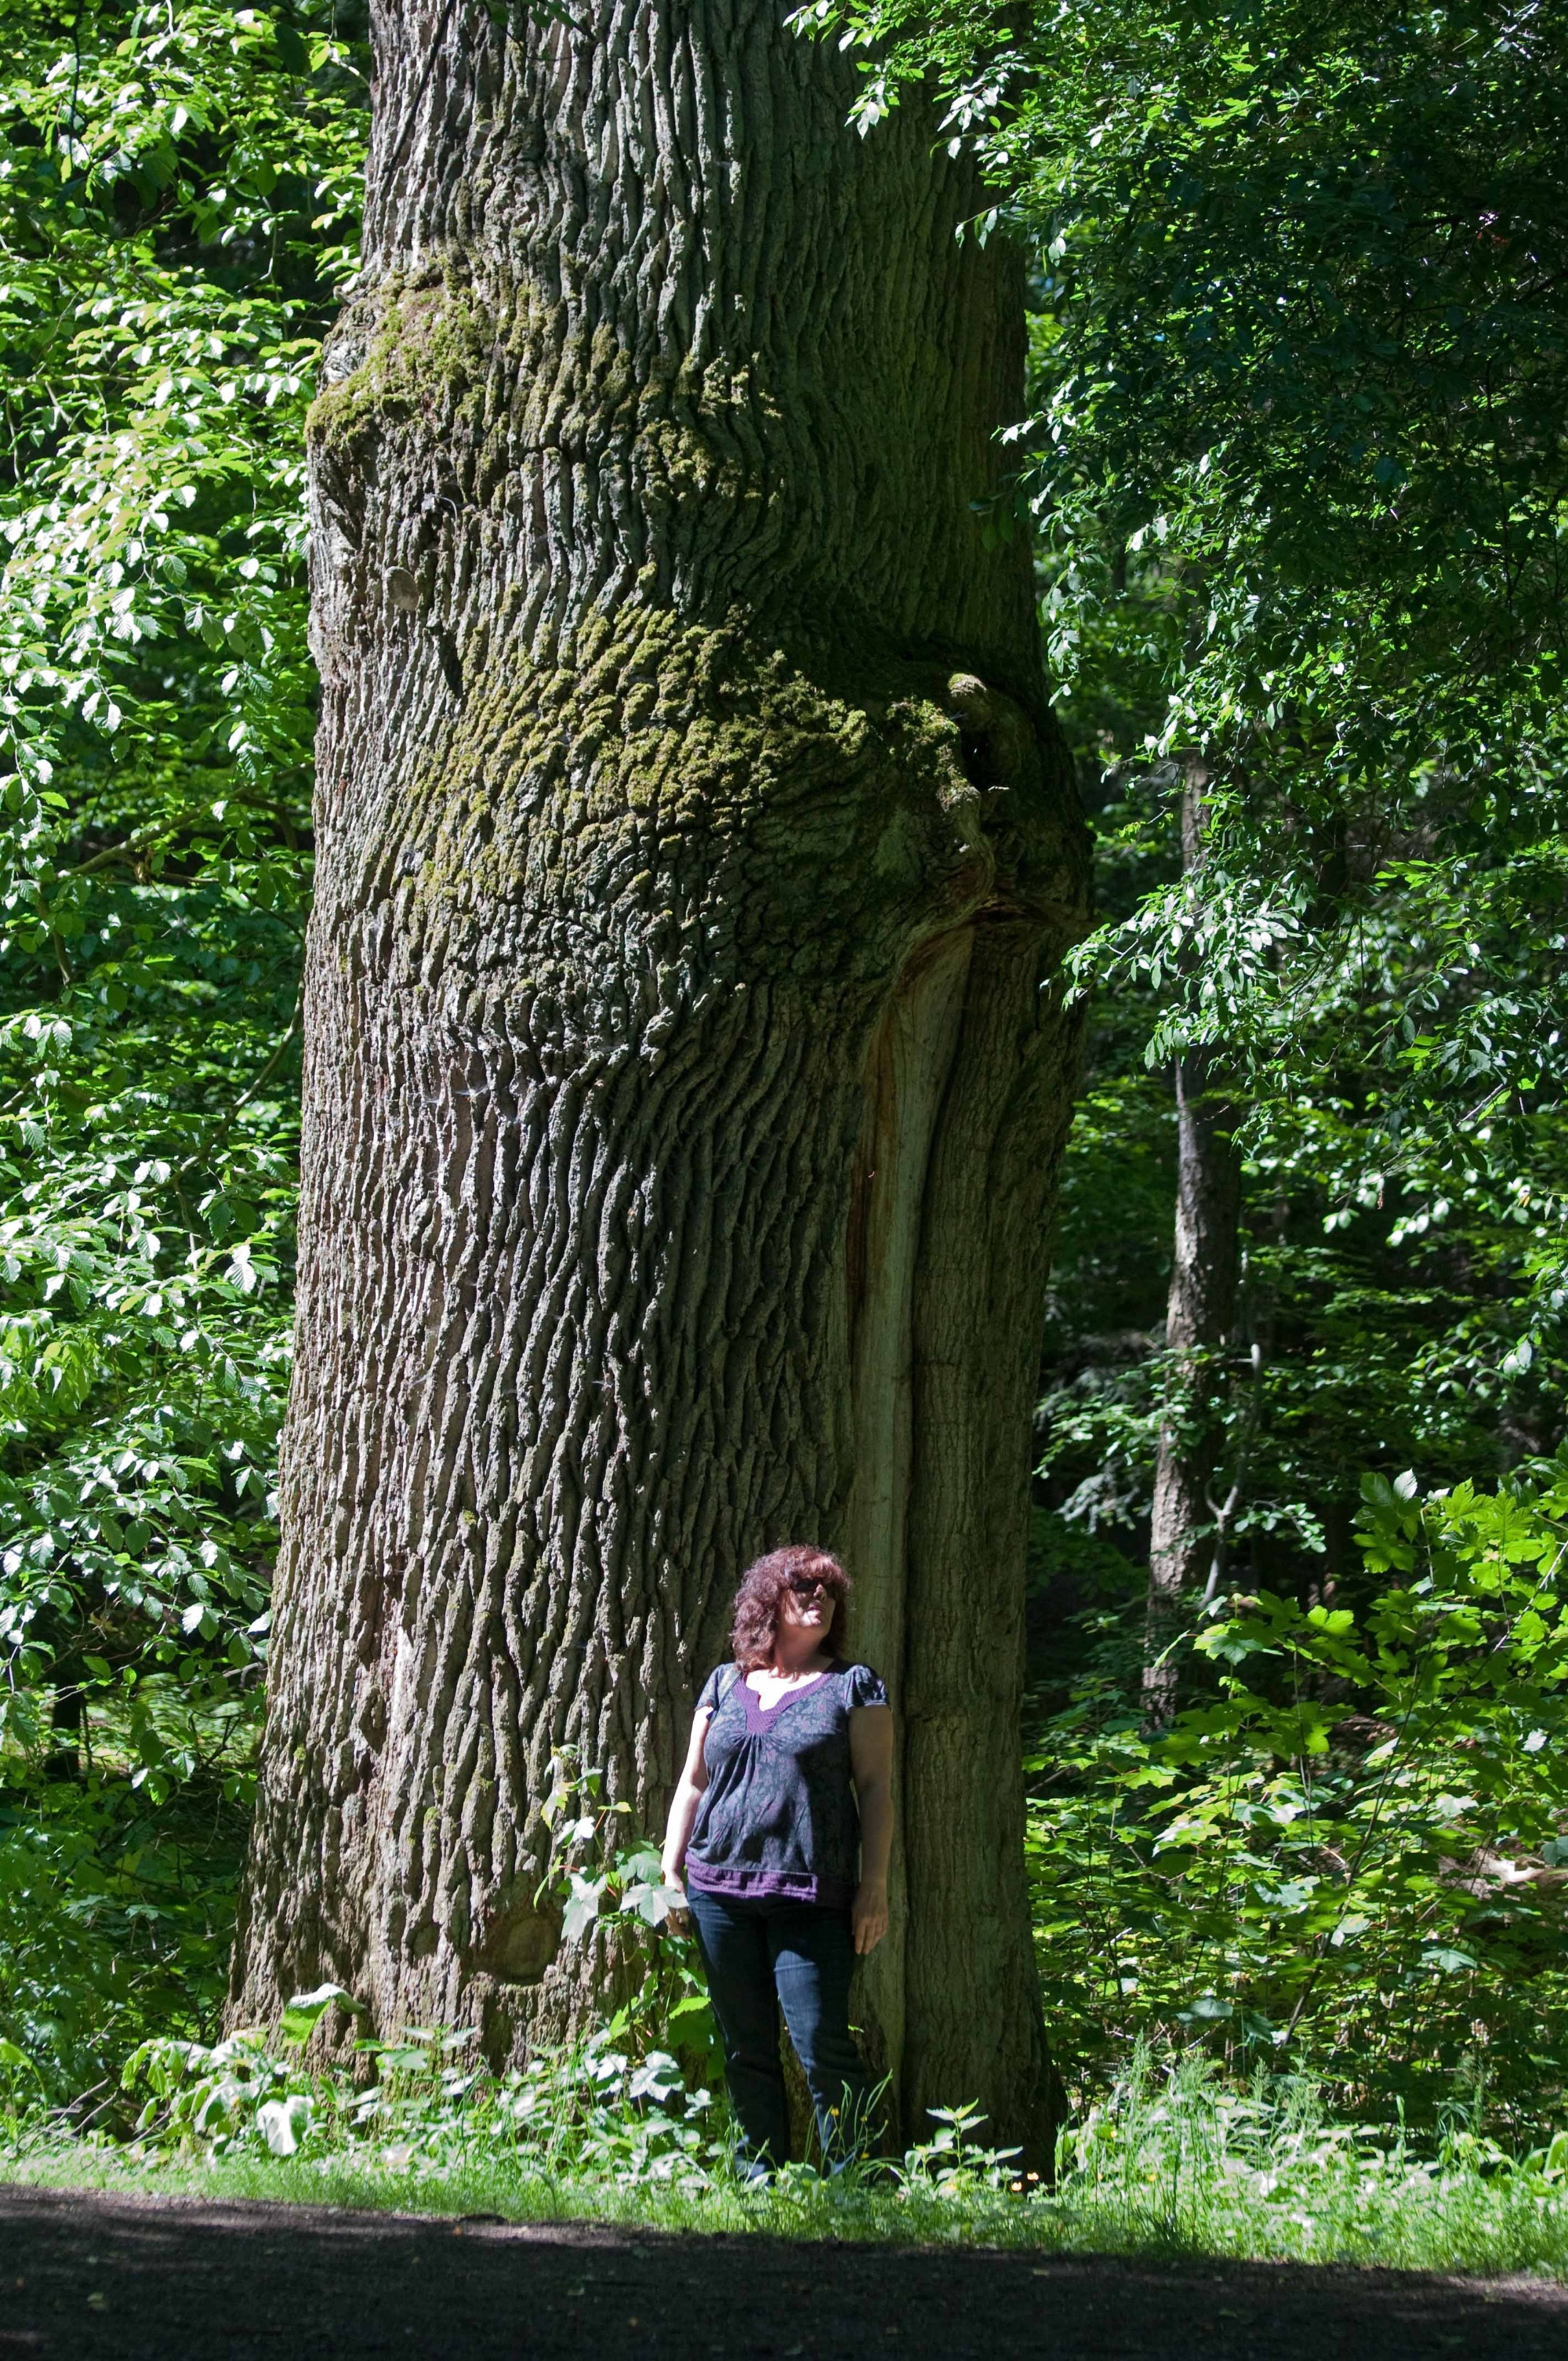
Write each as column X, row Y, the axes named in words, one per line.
column 1174, row 2166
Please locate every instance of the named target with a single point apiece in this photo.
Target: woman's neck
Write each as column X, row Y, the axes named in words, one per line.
column 798, row 1653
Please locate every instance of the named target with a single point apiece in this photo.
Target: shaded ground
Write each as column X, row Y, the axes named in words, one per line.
column 84, row 2277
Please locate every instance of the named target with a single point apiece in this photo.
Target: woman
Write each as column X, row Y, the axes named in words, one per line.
column 780, row 1833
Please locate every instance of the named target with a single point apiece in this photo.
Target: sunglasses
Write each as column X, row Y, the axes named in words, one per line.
column 809, row 1586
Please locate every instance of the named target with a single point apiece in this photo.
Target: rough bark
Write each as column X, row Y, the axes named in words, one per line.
column 684, row 1073
column 1200, row 1314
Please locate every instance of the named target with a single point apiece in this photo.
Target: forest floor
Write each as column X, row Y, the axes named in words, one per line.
column 86, row 2275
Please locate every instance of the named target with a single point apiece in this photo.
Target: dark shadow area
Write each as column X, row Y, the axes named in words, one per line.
column 167, row 2280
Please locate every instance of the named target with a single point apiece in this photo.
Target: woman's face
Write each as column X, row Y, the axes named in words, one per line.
column 806, row 1604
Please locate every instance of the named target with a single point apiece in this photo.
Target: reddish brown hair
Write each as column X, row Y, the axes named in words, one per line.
column 762, row 1587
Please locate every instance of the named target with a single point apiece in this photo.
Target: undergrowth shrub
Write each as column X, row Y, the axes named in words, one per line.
column 1172, row 2160
column 117, row 1914
column 1348, row 1856
column 422, row 2103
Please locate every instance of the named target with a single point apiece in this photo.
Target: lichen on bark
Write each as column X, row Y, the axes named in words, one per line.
column 684, row 1066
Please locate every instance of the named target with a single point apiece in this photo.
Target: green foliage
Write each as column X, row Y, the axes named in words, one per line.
column 618, row 2107
column 177, row 194
column 178, row 190
column 1348, row 1856
column 1171, row 2162
column 420, row 2105
column 115, row 1915
column 1174, row 2153
column 1297, row 462
column 1303, row 313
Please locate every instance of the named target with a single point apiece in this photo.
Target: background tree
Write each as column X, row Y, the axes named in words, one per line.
column 684, row 1075
column 1187, row 1524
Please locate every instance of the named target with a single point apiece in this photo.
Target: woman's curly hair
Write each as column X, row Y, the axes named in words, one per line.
column 762, row 1587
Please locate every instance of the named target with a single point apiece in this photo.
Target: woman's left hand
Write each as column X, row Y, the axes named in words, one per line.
column 869, row 1915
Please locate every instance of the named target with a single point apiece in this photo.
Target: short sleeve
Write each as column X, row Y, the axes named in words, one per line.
column 863, row 1687
column 712, row 1698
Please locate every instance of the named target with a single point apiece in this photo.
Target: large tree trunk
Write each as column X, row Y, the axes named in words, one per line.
column 1199, row 1313
column 684, row 1076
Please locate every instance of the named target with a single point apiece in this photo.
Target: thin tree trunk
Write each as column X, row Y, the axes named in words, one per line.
column 1199, row 1313
column 682, row 1096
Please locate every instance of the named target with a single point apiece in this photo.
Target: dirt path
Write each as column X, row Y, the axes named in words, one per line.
column 84, row 2277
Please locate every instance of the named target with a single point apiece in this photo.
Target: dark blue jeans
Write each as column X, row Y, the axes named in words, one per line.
column 757, row 1955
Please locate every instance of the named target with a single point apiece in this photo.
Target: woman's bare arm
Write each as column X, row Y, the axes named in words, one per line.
column 684, row 1803
column 871, row 1759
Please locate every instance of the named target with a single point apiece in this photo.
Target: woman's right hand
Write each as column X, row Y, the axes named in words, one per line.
column 683, row 1816
column 674, row 1887
column 868, row 1917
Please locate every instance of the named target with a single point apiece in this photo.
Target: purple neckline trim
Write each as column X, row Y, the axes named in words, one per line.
column 757, row 1715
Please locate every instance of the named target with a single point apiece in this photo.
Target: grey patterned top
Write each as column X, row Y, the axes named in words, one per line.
column 778, row 1815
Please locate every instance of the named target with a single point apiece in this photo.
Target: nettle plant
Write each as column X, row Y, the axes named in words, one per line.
column 614, row 2106
column 608, row 1885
